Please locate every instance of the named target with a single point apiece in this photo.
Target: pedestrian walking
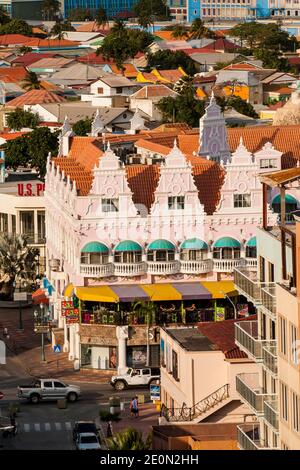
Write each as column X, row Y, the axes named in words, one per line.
column 134, row 407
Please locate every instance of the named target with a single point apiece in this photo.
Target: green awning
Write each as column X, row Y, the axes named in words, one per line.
column 95, row 247
column 251, row 242
column 226, row 242
column 128, row 245
column 161, row 245
column 194, row 244
column 289, row 199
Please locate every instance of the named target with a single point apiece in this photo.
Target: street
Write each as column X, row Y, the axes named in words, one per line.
column 44, row 426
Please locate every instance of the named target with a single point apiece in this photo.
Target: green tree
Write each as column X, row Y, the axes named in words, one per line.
column 19, row 118
column 129, row 439
column 170, row 60
column 31, row 82
column 184, row 108
column 50, row 9
column 16, row 26
column 232, row 85
column 271, row 59
column 82, row 127
column 149, row 11
column 123, row 43
column 80, row 14
column 198, row 30
column 237, row 103
column 41, row 141
column 180, row 32
column 17, row 261
column 147, row 311
column 23, row 50
column 31, row 150
column 59, row 28
column 101, row 17
column 183, row 84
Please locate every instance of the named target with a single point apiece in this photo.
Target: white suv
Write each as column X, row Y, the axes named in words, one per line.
column 136, row 378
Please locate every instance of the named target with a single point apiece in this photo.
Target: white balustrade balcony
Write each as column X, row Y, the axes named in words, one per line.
column 227, row 265
column 251, row 264
column 96, row 270
column 129, row 269
column 195, row 267
column 163, row 267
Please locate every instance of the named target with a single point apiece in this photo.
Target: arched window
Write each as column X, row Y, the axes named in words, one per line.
column 128, row 252
column 291, row 204
column 193, row 249
column 251, row 251
column 161, row 250
column 226, row 248
column 94, row 253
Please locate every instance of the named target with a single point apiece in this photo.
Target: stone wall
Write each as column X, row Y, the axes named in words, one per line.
column 106, row 335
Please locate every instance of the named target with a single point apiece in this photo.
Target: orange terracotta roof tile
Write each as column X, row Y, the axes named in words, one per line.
column 13, row 39
column 11, row 135
column 171, row 75
column 12, row 74
column 153, row 91
column 150, row 77
column 129, row 70
column 153, row 146
column 36, row 42
column 143, row 180
column 33, row 97
column 86, row 151
column 242, row 67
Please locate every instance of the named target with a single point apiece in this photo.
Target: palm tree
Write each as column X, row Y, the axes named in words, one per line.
column 185, row 84
column 101, row 18
column 147, row 310
column 180, row 32
column 31, row 82
column 129, row 439
column 50, row 8
column 17, row 261
column 198, row 30
column 118, row 26
column 58, row 31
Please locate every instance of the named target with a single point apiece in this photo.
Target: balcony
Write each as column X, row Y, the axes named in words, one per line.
column 96, row 270
column 35, row 238
column 268, row 300
column 163, row 267
column 248, row 340
column 227, row 265
column 247, row 284
column 248, row 438
column 271, row 414
column 196, row 267
column 251, row 264
column 269, row 353
column 247, row 385
column 129, row 269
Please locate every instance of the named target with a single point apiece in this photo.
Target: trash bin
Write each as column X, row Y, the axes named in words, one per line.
column 114, row 404
column 62, row 403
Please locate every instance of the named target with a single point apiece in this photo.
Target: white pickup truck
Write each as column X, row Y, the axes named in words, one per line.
column 48, row 389
column 143, row 377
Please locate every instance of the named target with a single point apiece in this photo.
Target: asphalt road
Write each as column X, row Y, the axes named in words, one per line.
column 44, row 426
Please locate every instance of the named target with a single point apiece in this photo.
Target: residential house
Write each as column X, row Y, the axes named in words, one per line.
column 206, row 61
column 110, row 90
column 161, row 76
column 48, row 66
column 147, row 98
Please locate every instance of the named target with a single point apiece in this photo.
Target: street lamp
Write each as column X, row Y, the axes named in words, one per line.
column 19, row 285
column 41, row 319
column 234, row 306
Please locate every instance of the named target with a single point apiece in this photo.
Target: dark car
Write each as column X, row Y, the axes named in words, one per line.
column 82, row 427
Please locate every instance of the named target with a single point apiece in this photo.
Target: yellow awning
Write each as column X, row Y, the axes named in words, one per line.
column 219, row 288
column 96, row 294
column 161, row 292
column 68, row 290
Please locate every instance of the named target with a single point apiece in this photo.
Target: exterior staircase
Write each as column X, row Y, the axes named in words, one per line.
column 198, row 412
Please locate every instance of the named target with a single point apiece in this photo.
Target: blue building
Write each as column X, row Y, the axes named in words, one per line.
column 113, row 8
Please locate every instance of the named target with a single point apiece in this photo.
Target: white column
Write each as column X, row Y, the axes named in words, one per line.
column 77, row 347
column 18, row 224
column 66, row 342
column 9, row 223
column 122, row 335
column 72, row 343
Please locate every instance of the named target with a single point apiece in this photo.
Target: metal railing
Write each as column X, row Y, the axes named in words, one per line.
column 248, row 437
column 248, row 340
column 268, row 299
column 247, row 284
column 186, row 413
column 269, row 353
column 247, row 385
column 271, row 413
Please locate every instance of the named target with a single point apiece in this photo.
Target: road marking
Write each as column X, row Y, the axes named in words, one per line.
column 37, row 427
column 27, row 427
column 47, row 427
column 68, row 426
column 58, row 426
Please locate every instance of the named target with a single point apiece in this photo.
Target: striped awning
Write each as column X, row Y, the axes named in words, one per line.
column 155, row 292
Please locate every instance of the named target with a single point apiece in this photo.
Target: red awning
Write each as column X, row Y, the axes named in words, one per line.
column 39, row 297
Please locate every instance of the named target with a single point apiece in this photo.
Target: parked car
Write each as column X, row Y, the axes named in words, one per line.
column 48, row 389
column 81, row 427
column 87, row 441
column 143, row 377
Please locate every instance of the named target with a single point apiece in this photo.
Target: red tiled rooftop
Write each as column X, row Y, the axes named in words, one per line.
column 31, row 57
column 35, row 97
column 57, row 43
column 14, row 39
column 12, row 74
column 95, row 59
column 221, row 44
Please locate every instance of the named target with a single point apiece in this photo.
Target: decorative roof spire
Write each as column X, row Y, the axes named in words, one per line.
column 176, row 158
column 97, row 125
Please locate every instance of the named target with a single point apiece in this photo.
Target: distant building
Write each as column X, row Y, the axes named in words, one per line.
column 118, row 8
column 24, row 9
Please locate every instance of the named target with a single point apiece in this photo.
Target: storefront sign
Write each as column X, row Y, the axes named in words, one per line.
column 155, row 392
column 220, row 313
column 72, row 315
column 66, row 305
column 41, row 328
column 31, row 189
